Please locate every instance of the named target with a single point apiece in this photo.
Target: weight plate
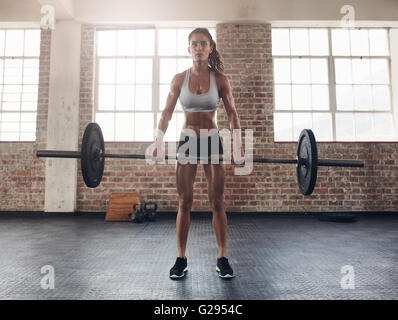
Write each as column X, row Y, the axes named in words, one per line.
column 92, row 165
column 307, row 171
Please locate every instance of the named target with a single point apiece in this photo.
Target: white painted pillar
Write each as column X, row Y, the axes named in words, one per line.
column 63, row 116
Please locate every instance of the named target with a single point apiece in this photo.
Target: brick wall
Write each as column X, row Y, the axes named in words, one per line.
column 21, row 173
column 248, row 62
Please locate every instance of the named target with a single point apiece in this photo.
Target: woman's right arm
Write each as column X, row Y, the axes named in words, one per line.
column 167, row 114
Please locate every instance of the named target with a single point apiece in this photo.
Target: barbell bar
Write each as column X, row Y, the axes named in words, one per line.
column 92, row 157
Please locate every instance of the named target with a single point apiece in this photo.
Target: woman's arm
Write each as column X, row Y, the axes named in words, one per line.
column 234, row 123
column 167, row 112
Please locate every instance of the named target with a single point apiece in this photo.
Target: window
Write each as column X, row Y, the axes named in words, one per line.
column 134, row 72
column 333, row 81
column 19, row 80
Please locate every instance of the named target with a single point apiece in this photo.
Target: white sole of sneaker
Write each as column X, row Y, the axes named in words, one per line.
column 227, row 276
column 174, row 276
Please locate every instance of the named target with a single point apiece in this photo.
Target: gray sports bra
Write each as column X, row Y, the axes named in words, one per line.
column 205, row 102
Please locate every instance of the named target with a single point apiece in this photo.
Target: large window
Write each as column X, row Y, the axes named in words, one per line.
column 333, row 81
column 19, row 79
column 134, row 72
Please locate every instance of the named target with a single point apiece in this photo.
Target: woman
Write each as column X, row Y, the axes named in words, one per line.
column 199, row 89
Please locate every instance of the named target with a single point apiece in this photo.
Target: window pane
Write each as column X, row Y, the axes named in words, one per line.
column 343, row 71
column 1, row 71
column 107, row 123
column 359, row 42
column 145, row 42
column 28, row 136
column 10, row 117
column 301, row 121
column 301, row 97
column 378, row 42
column 282, row 71
column 106, row 43
column 164, row 90
column 31, row 71
column 182, row 42
column 283, row 130
column 106, row 97
column 183, row 64
column 29, row 106
column 280, row 42
column 319, row 43
column 32, row 43
column 143, row 127
column 125, row 43
column 124, row 127
column 11, row 106
column 345, row 127
column 28, row 126
column 340, row 42
column 125, row 71
column 124, row 97
column 320, row 97
column 380, row 71
column 383, row 124
column 283, row 97
column 344, row 97
column 2, row 42
column 319, row 71
column 299, row 42
column 10, row 126
column 301, row 70
column 168, row 68
column 167, row 42
column 363, row 97
column 143, row 69
column 9, row 136
column 364, row 127
column 361, row 71
column 14, row 42
column 13, row 71
column 106, row 71
column 143, row 97
column 322, row 126
column 28, row 117
column 381, row 98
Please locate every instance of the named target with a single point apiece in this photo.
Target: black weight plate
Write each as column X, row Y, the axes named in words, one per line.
column 92, row 165
column 307, row 174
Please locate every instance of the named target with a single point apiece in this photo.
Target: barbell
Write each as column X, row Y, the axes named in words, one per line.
column 92, row 157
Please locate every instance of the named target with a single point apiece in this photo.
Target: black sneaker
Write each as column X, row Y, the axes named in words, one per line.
column 224, row 269
column 179, row 269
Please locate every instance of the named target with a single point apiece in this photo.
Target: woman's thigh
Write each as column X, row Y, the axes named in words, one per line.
column 215, row 175
column 185, row 174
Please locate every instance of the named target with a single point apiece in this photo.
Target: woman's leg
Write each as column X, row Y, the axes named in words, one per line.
column 215, row 175
column 185, row 179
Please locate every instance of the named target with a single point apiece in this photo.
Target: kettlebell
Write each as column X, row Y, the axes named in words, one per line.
column 138, row 215
column 150, row 208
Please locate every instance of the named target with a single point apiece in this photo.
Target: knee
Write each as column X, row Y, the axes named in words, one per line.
column 217, row 203
column 185, row 203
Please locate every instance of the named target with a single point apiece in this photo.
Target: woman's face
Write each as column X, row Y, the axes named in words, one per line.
column 199, row 47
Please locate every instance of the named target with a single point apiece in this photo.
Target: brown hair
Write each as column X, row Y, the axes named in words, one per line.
column 215, row 59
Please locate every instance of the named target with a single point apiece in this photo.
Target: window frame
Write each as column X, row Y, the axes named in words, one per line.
column 332, row 82
column 3, row 58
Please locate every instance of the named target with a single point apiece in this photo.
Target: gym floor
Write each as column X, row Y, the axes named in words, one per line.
column 274, row 257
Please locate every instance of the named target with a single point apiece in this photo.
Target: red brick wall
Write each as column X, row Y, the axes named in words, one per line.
column 21, row 173
column 248, row 61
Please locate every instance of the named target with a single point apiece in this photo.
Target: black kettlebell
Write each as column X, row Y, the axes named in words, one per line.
column 150, row 208
column 138, row 215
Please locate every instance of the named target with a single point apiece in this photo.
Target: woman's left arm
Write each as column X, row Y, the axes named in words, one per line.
column 232, row 114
